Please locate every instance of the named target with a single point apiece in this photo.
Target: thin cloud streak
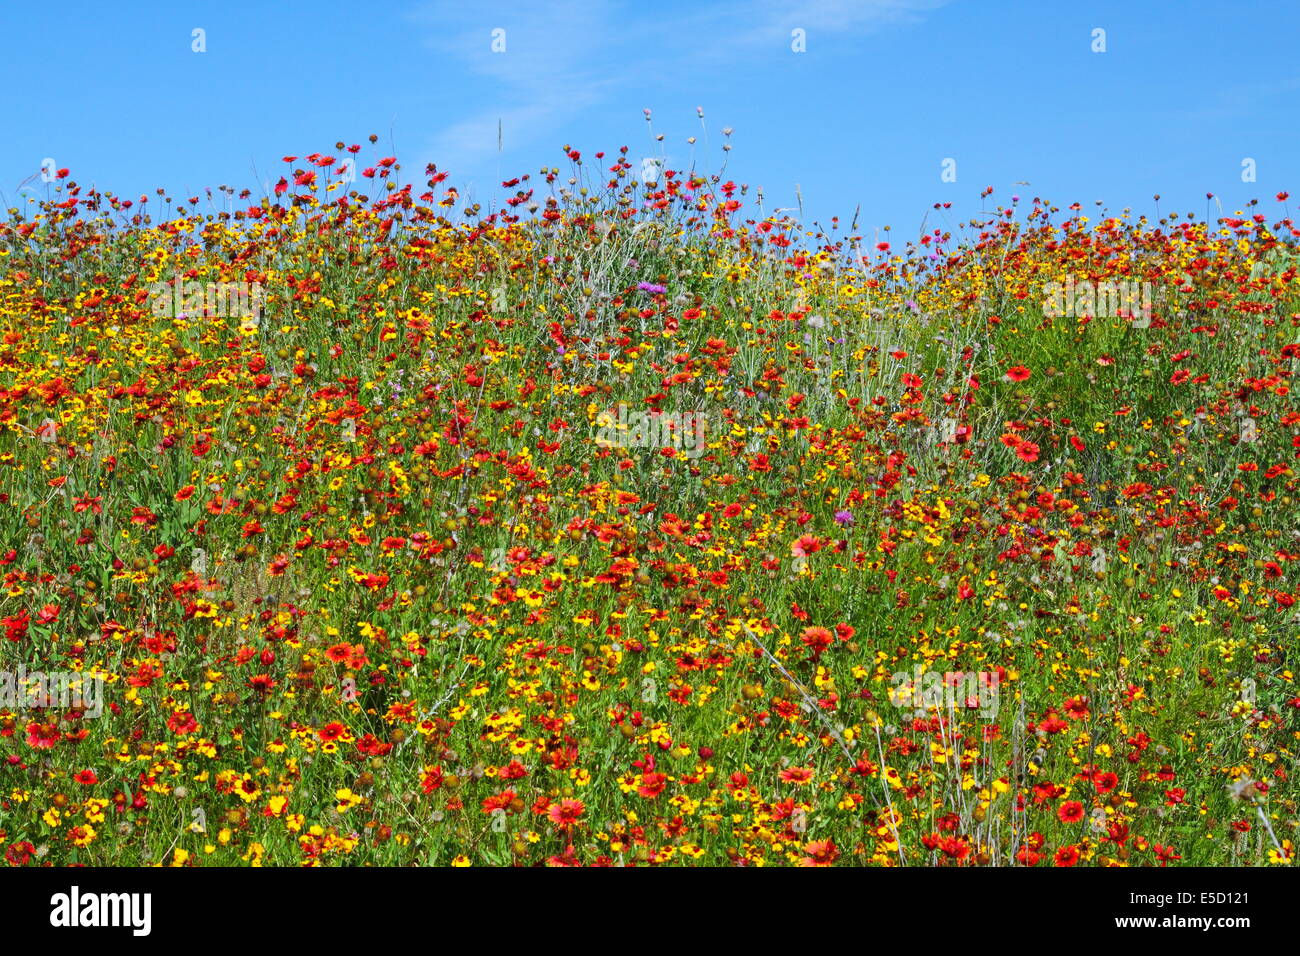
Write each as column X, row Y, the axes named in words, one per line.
column 564, row 57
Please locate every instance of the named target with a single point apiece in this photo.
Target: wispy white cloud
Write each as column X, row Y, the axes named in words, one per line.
column 772, row 20
column 564, row 57
column 546, row 76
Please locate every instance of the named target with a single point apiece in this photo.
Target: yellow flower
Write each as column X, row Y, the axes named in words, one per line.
column 347, row 800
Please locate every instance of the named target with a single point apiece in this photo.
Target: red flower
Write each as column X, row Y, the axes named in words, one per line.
column 182, row 722
column 1018, row 373
column 652, row 784
column 806, row 545
column 1053, row 724
column 18, row 854
column 1105, row 782
column 1027, row 451
column 432, row 779
column 498, row 801
column 262, row 683
column 1166, row 854
column 820, row 853
column 331, row 731
column 15, row 626
column 514, row 770
column 141, row 515
column 42, row 736
column 1071, row 811
column 566, row 813
column 817, row 639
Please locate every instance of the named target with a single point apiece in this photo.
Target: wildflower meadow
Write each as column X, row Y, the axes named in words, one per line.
column 632, row 523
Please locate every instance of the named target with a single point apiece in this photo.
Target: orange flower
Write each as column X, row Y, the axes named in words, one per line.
column 820, row 853
column 817, row 639
column 796, row 775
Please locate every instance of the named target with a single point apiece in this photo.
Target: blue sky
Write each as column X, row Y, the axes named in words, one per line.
column 884, row 93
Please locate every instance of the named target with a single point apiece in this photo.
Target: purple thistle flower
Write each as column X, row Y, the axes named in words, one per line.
column 843, row 517
column 651, row 287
